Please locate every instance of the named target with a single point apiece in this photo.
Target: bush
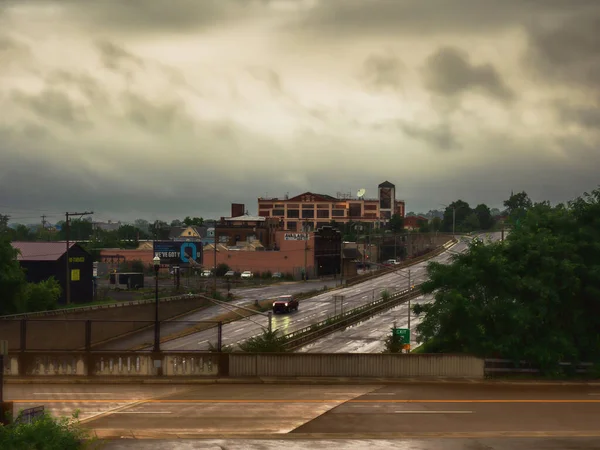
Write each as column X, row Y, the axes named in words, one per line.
column 42, row 296
column 137, row 265
column 47, row 433
column 266, row 275
column 393, row 344
column 267, row 342
column 222, row 269
column 288, row 276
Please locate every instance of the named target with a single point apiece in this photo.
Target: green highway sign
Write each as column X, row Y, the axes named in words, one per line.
column 403, row 333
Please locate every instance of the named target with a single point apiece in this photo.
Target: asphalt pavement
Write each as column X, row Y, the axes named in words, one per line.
column 418, row 415
column 369, row 336
column 361, row 444
column 319, row 307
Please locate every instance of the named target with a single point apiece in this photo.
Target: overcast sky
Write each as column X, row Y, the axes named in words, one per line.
column 162, row 109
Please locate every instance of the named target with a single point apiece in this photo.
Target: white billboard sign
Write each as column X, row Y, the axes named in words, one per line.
column 296, row 237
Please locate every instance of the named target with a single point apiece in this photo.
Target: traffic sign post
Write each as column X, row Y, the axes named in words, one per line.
column 404, row 335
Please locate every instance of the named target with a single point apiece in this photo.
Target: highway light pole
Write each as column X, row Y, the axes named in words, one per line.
column 156, row 262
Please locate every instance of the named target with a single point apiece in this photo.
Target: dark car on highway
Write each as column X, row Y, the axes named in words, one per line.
column 285, row 303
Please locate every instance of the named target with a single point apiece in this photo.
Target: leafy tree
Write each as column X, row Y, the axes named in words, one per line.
column 12, row 278
column 457, row 211
column 159, row 230
column 436, row 224
column 495, row 212
column 424, row 226
column 535, row 296
column 176, row 223
column 470, row 223
column 393, row 343
column 142, row 225
column 79, row 229
column 197, row 221
column 517, row 205
column 396, row 223
column 484, row 216
column 4, row 222
column 267, row 342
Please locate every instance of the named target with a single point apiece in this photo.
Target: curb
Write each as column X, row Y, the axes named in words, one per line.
column 286, row 380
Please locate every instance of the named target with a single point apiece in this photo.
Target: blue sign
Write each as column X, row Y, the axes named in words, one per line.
column 172, row 252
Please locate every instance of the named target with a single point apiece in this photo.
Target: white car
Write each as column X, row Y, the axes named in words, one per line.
column 247, row 274
column 207, row 273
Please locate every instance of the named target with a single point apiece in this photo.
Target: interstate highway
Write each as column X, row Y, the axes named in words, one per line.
column 314, row 309
column 369, row 336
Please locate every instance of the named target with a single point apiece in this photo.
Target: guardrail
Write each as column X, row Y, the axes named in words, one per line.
column 318, row 330
column 495, row 367
column 56, row 312
column 432, row 254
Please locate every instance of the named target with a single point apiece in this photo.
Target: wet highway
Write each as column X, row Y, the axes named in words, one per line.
column 244, row 296
column 322, row 306
column 369, row 336
column 316, row 308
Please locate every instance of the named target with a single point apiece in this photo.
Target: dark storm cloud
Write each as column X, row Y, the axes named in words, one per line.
column 449, row 72
column 382, row 71
column 117, row 58
column 439, row 137
column 584, row 116
column 53, row 105
column 156, row 116
column 152, row 16
column 568, row 52
column 385, row 17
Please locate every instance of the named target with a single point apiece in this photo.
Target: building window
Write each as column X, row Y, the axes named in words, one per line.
column 322, row 224
column 355, row 210
column 293, row 213
column 385, row 198
column 308, row 206
column 323, row 214
column 338, row 213
column 278, row 212
column 308, row 213
column 279, row 205
column 341, row 206
column 293, row 205
column 323, row 206
column 266, row 205
column 370, row 207
column 264, row 213
column 292, row 226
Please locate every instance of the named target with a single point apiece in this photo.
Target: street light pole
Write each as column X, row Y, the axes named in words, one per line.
column 156, row 262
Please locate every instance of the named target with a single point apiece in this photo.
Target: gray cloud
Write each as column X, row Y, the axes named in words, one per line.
column 54, row 105
column 385, row 17
column 585, row 116
column 568, row 51
column 439, row 137
column 449, row 72
column 160, row 117
column 382, row 71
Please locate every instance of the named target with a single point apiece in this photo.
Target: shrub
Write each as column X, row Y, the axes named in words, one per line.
column 222, row 269
column 47, row 433
column 393, row 343
column 267, row 342
column 266, row 275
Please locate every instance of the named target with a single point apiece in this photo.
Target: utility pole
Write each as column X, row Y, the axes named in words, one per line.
column 409, row 288
column 44, row 228
column 215, row 260
column 67, row 226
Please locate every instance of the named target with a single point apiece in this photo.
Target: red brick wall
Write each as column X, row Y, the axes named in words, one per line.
column 130, row 254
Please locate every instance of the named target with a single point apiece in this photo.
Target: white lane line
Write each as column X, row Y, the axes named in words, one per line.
column 143, row 412
column 76, row 393
column 433, row 412
column 381, row 393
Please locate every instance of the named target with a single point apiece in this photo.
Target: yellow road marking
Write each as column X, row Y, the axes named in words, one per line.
column 70, row 400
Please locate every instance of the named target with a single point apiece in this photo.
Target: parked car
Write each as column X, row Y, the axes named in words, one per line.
column 206, row 273
column 285, row 303
column 230, row 273
column 247, row 274
column 277, row 275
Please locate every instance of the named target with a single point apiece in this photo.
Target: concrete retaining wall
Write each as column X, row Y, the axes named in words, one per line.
column 354, row 365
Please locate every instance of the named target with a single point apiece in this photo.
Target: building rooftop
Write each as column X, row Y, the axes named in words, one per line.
column 41, row 251
column 245, row 218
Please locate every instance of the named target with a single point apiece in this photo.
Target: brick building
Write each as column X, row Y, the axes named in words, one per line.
column 310, row 211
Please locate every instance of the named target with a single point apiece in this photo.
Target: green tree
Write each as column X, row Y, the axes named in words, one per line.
column 517, row 205
column 393, row 343
column 484, row 215
column 436, row 224
column 456, row 211
column 222, row 269
column 12, row 278
column 79, row 229
column 197, row 221
column 159, row 230
column 424, row 226
column 535, row 296
column 396, row 223
column 470, row 223
column 4, row 223
column 143, row 226
column 42, row 296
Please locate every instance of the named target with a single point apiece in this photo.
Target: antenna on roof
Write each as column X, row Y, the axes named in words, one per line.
column 361, row 193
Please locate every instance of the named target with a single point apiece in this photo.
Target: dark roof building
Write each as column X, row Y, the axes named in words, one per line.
column 43, row 260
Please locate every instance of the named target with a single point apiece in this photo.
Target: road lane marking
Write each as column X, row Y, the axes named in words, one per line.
column 381, row 393
column 191, row 401
column 143, row 412
column 433, row 412
column 75, row 393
